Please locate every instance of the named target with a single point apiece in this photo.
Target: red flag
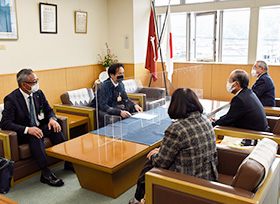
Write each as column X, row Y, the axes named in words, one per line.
column 152, row 53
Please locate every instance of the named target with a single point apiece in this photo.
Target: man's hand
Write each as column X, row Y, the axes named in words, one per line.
column 35, row 132
column 55, row 125
column 154, row 151
column 125, row 114
column 138, row 108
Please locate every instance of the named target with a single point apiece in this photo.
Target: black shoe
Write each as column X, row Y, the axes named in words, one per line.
column 68, row 166
column 51, row 180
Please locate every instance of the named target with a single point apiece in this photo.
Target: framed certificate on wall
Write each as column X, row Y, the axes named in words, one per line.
column 48, row 18
column 80, row 22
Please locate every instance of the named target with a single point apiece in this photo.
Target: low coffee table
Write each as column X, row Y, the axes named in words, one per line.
column 103, row 165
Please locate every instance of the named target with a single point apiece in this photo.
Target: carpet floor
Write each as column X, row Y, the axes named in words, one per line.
column 32, row 191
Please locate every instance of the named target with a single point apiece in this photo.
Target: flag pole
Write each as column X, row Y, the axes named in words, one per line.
column 159, row 47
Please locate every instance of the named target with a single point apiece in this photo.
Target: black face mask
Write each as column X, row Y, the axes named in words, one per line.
column 120, row 78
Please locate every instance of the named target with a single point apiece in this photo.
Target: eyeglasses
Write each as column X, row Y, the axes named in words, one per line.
column 32, row 82
column 257, row 67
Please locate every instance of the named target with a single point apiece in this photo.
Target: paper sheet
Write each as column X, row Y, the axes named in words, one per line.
column 144, row 116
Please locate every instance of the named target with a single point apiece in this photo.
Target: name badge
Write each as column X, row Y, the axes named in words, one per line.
column 119, row 99
column 41, row 116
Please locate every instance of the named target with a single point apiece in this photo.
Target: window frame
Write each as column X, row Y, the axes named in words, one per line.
column 217, row 5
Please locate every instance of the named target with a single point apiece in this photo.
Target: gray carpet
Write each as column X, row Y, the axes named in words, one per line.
column 32, row 191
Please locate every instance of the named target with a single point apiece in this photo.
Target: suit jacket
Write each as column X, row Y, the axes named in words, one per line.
column 189, row 147
column 246, row 111
column 265, row 90
column 16, row 116
column 107, row 95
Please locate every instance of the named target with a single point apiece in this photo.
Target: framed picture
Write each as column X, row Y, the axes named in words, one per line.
column 80, row 22
column 48, row 18
column 8, row 20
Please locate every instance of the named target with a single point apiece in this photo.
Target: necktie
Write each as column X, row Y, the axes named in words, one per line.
column 32, row 118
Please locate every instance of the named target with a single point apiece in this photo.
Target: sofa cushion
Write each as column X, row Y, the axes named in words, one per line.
column 25, row 152
column 249, row 175
column 255, row 167
column 130, row 86
column 79, row 97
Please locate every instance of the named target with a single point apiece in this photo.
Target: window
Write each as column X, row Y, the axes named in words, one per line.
column 204, row 37
column 197, row 1
column 235, row 36
column 178, row 23
column 220, row 32
column 165, row 2
column 269, row 35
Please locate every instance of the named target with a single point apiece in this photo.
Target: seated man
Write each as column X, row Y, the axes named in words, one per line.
column 246, row 110
column 27, row 112
column 264, row 86
column 112, row 98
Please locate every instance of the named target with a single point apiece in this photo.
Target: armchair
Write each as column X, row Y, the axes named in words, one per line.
column 237, row 182
column 25, row 165
column 145, row 95
column 77, row 102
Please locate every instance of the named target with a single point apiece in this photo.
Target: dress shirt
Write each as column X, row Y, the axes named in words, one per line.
column 115, row 84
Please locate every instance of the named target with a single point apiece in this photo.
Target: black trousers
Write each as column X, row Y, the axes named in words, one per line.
column 37, row 145
column 140, row 190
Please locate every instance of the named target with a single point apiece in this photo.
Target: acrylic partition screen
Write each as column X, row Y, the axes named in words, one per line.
column 153, row 97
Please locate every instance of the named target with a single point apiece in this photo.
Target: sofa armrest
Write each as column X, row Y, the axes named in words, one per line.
column 244, row 133
column 9, row 145
column 272, row 111
column 78, row 110
column 138, row 98
column 155, row 93
column 181, row 188
column 64, row 124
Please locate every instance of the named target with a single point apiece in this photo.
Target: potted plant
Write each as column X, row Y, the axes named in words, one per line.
column 108, row 59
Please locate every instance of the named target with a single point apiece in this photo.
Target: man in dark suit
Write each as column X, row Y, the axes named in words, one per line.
column 112, row 98
column 264, row 86
column 27, row 112
column 246, row 110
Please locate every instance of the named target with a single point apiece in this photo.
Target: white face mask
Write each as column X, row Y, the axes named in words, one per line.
column 254, row 73
column 229, row 87
column 34, row 88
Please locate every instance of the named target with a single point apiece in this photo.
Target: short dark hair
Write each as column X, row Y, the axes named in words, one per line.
column 114, row 68
column 183, row 102
column 23, row 75
column 242, row 77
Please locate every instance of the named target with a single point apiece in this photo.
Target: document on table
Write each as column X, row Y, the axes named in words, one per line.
column 146, row 116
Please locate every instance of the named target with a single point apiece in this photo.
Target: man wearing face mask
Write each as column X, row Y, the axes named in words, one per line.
column 27, row 112
column 246, row 110
column 264, row 86
column 112, row 98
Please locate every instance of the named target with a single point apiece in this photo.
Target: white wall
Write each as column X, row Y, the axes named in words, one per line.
column 65, row 49
column 141, row 14
column 120, row 24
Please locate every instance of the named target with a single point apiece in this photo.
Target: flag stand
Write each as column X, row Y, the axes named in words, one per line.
column 159, row 47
